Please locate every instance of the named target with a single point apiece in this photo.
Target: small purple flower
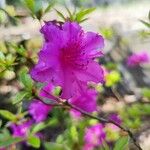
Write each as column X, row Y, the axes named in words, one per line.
column 67, row 58
column 94, row 136
column 88, row 147
column 115, row 118
column 137, row 59
column 85, row 100
column 39, row 110
column 21, row 129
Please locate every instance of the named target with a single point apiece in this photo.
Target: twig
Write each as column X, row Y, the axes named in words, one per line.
column 100, row 119
column 103, row 120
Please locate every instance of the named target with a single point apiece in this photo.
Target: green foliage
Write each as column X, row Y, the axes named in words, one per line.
column 111, row 66
column 36, row 8
column 19, row 49
column 146, row 93
column 74, row 133
column 6, row 139
column 145, row 23
column 34, row 141
column 20, row 96
column 111, row 135
column 122, row 143
column 10, row 15
column 7, row 115
column 55, row 146
column 112, row 78
column 107, row 33
column 132, row 115
column 42, row 125
column 28, row 86
column 7, row 61
column 26, row 79
column 79, row 16
column 144, row 34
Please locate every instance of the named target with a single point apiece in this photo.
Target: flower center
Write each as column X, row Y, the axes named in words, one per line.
column 73, row 57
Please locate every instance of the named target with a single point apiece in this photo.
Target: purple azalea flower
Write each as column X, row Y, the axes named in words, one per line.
column 85, row 100
column 115, row 118
column 88, row 147
column 21, row 129
column 67, row 57
column 94, row 136
column 137, row 59
column 39, row 110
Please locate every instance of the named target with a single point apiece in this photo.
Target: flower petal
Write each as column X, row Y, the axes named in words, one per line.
column 92, row 43
column 94, row 73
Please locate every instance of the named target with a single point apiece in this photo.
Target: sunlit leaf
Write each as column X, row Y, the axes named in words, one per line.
column 74, row 133
column 34, row 141
column 7, row 114
column 81, row 14
column 30, row 4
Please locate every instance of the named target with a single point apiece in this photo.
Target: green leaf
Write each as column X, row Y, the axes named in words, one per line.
column 26, row 79
column 4, row 134
column 55, row 146
column 10, row 59
column 42, row 125
column 112, row 78
column 121, row 143
column 50, row 5
column 145, row 23
column 20, row 96
column 20, row 50
column 7, row 114
column 69, row 13
column 34, row 141
column 37, row 6
column 30, row 4
column 81, row 14
column 38, row 127
column 106, row 146
column 74, row 133
column 9, row 141
column 2, row 57
column 60, row 14
column 57, row 90
column 108, row 33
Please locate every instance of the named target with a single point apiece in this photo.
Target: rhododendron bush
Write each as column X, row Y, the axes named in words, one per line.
column 65, row 92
